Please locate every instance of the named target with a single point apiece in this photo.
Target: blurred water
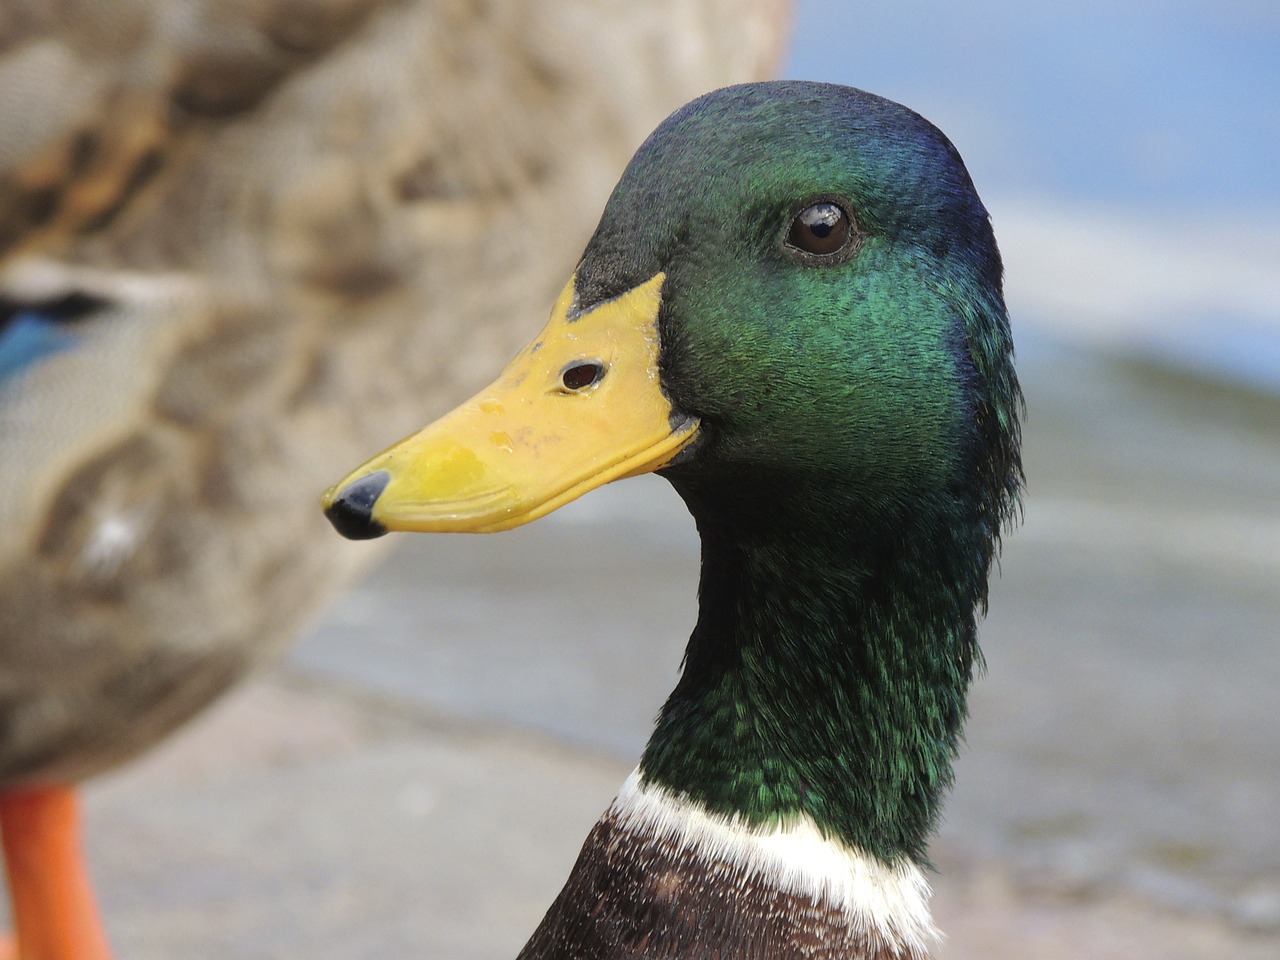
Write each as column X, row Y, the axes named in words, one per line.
column 1142, row 104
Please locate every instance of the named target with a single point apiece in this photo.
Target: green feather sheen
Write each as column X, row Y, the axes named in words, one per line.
column 858, row 450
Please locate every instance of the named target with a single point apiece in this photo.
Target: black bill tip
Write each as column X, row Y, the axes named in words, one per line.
column 351, row 511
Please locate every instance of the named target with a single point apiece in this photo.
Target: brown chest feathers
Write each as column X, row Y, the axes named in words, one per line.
column 637, row 893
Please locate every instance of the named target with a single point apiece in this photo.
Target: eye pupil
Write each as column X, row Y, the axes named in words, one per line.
column 821, row 229
column 579, row 376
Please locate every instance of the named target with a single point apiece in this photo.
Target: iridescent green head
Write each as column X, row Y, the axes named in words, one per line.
column 791, row 309
column 832, row 308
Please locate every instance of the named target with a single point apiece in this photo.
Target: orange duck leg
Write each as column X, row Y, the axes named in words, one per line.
column 54, row 911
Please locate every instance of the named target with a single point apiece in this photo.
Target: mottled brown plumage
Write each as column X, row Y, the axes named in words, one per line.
column 309, row 222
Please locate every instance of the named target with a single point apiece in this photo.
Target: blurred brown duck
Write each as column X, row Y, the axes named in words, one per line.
column 242, row 241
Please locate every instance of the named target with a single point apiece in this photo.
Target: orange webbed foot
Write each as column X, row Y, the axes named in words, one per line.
column 55, row 914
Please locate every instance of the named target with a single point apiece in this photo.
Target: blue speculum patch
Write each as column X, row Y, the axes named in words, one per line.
column 27, row 338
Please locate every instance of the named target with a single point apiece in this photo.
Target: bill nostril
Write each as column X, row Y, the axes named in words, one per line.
column 351, row 511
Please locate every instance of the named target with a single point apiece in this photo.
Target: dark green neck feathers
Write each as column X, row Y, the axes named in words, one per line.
column 858, row 453
column 827, row 674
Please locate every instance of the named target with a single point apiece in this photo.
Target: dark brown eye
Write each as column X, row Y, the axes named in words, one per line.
column 579, row 376
column 821, row 229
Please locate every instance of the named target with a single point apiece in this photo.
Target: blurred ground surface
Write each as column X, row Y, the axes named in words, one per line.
column 416, row 779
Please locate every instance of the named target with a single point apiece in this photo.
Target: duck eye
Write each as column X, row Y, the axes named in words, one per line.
column 821, row 229
column 579, row 376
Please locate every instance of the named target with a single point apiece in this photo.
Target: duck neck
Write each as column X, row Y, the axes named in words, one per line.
column 827, row 675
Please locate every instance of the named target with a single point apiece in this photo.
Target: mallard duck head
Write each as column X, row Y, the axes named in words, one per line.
column 792, row 310
column 791, row 307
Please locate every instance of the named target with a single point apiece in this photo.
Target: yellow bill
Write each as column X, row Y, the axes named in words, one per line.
column 578, row 407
